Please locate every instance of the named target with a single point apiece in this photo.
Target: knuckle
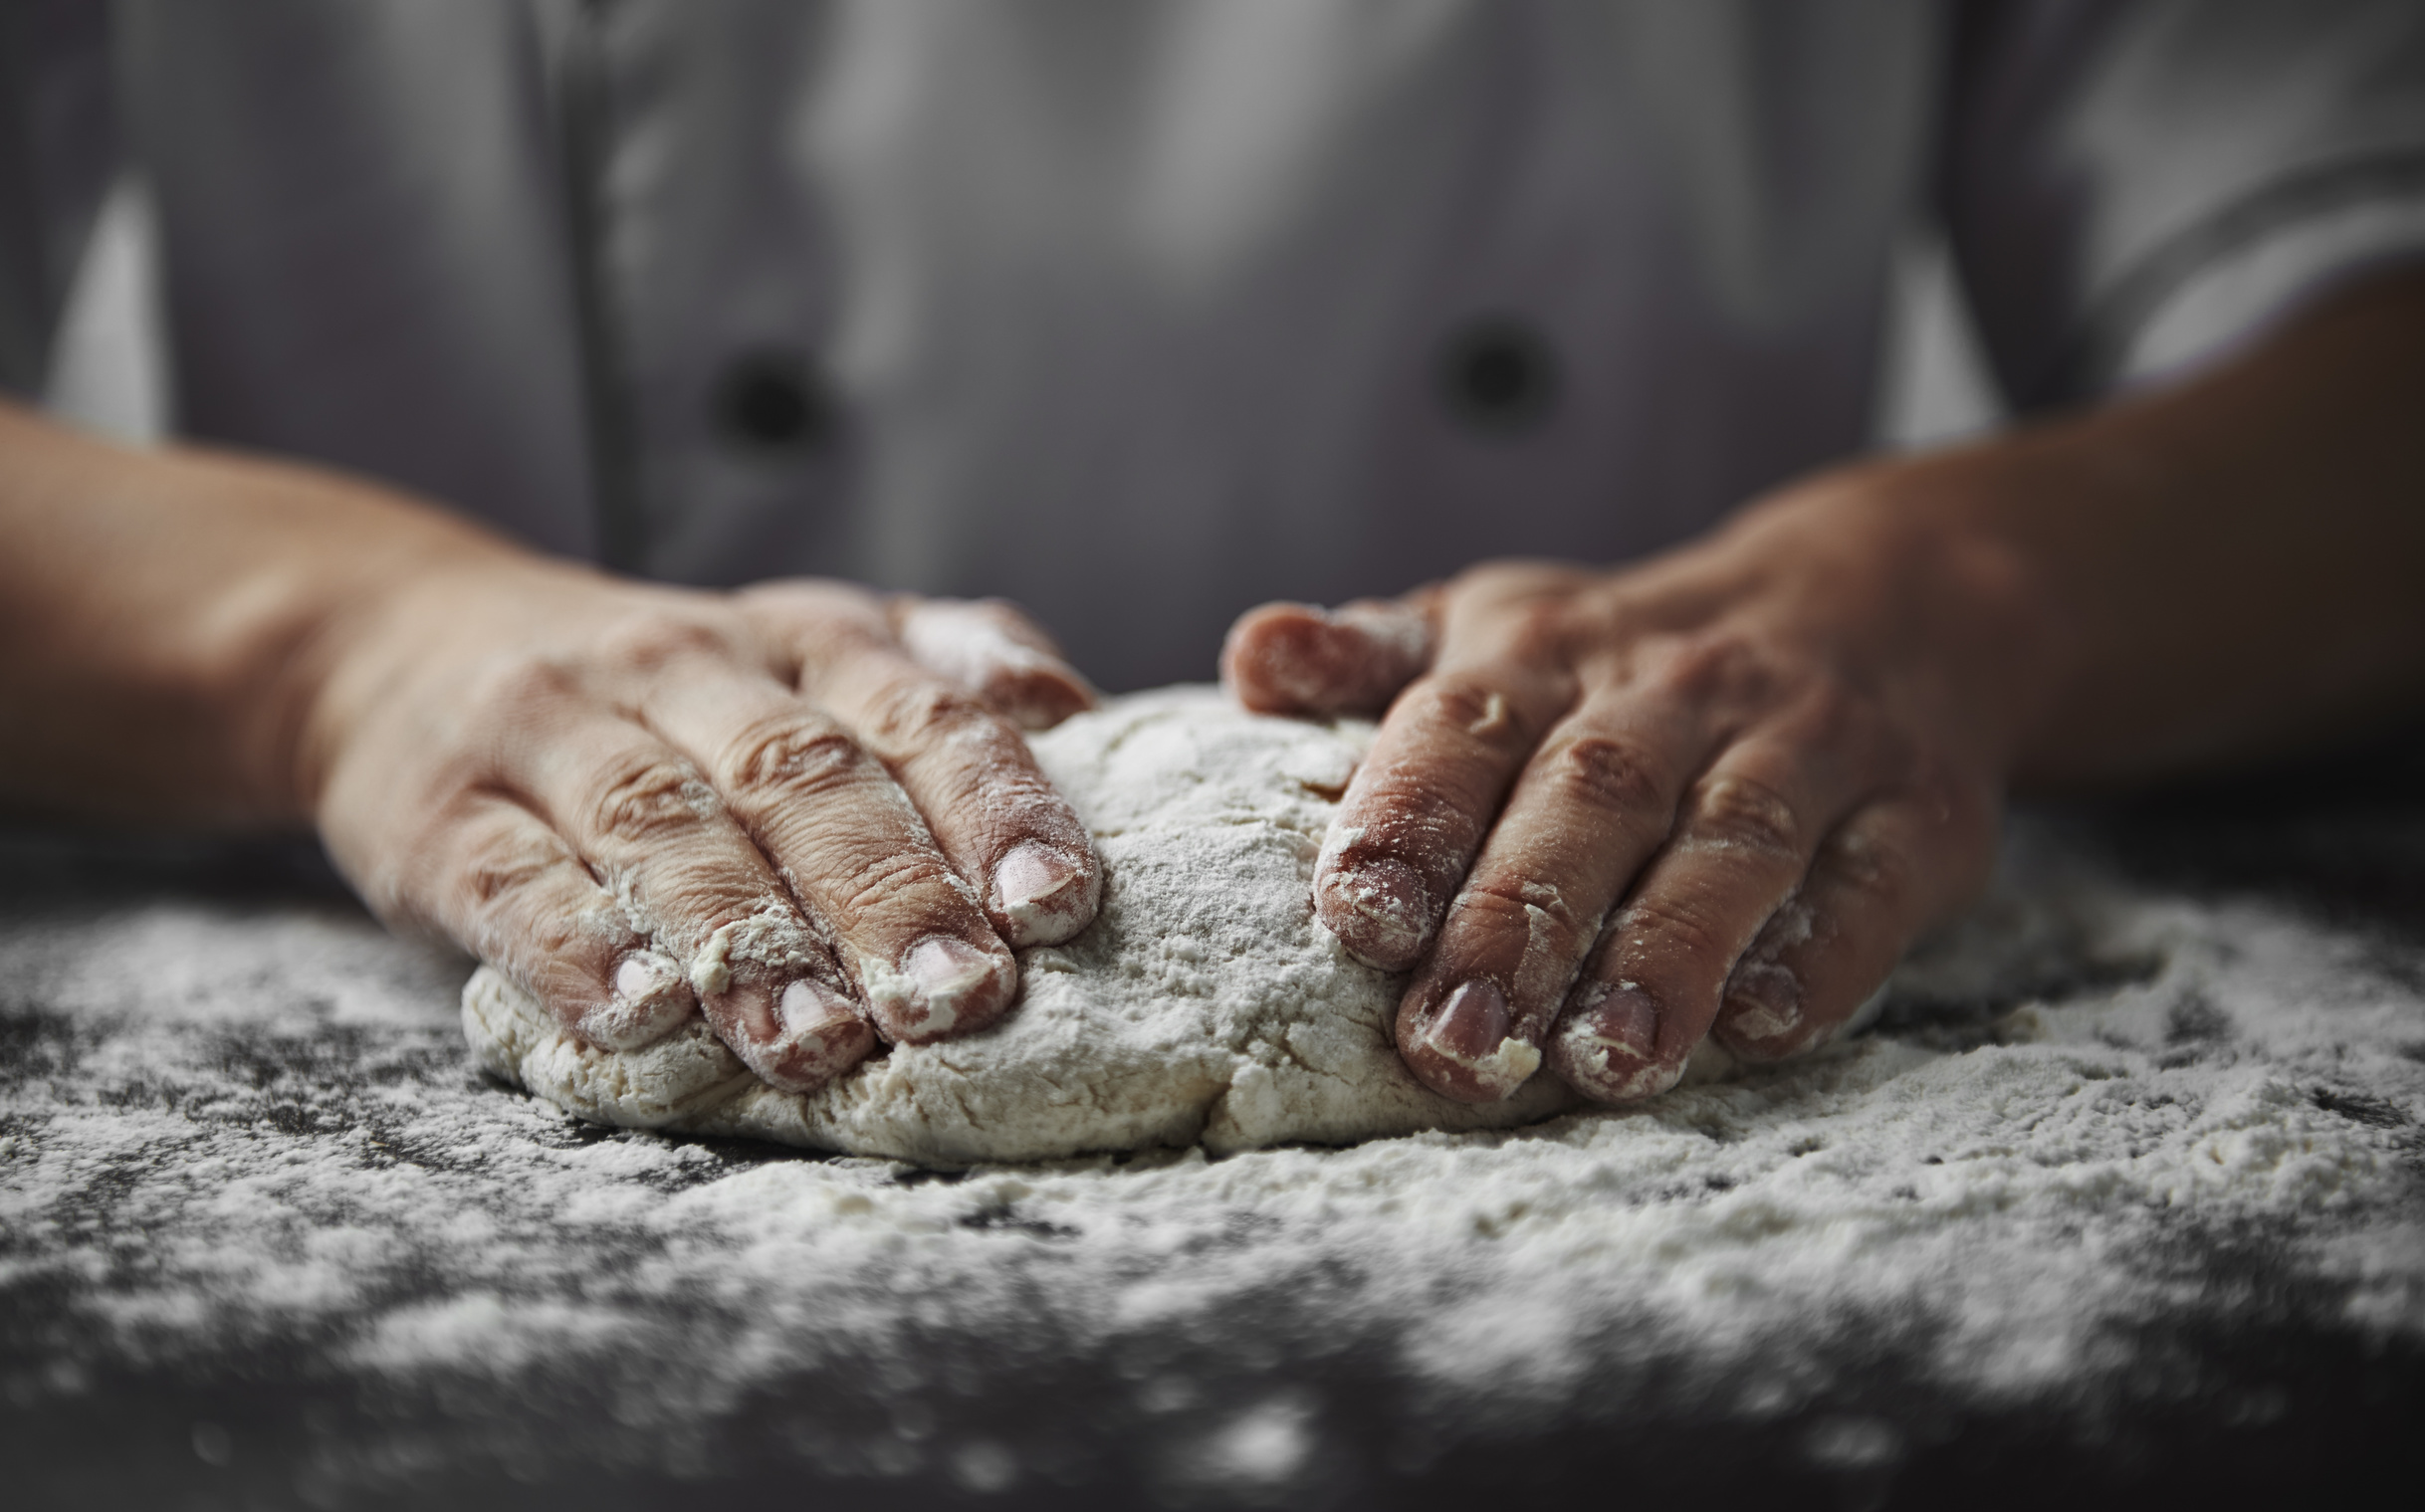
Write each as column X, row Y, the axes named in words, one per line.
column 1502, row 915
column 798, row 754
column 1832, row 715
column 1497, row 901
column 1603, row 772
column 914, row 878
column 649, row 640
column 518, row 895
column 504, row 870
column 1739, row 813
column 1536, row 632
column 1663, row 929
column 1850, row 727
column 915, row 713
column 1872, row 871
column 1472, row 704
column 509, row 688
column 1722, row 670
column 652, row 799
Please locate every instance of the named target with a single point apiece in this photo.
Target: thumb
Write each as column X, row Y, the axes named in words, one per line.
column 1303, row 659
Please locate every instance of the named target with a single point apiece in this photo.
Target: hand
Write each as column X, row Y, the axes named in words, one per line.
column 1612, row 813
column 806, row 808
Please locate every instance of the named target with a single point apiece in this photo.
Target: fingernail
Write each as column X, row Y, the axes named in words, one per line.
column 647, row 1005
column 811, row 1008
column 1470, row 1033
column 802, row 1037
column 1470, row 1024
column 644, row 974
column 1628, row 1019
column 940, row 985
column 1763, row 1001
column 1379, row 909
column 1607, row 1047
column 1041, row 891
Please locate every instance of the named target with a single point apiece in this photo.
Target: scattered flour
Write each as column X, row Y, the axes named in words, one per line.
column 231, row 1136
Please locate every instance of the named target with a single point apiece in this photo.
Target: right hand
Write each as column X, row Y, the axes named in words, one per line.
column 803, row 807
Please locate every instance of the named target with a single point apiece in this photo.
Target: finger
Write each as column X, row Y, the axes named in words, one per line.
column 988, row 648
column 1745, row 839
column 1302, row 659
column 998, row 817
column 1415, row 815
column 849, row 843
column 510, row 890
column 1593, row 803
column 642, row 817
column 1888, row 874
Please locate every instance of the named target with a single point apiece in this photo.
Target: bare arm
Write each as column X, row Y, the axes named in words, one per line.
column 803, row 807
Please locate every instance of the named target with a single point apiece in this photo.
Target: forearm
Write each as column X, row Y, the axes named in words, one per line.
column 165, row 618
column 2223, row 571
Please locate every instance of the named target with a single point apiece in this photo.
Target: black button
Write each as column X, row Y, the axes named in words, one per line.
column 770, row 401
column 1499, row 375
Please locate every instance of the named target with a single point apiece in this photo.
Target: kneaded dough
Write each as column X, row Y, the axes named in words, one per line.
column 1203, row 1007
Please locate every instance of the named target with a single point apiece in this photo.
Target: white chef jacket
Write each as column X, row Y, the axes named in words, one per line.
column 1141, row 311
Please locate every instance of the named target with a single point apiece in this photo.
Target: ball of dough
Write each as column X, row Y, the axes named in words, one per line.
column 1205, row 1006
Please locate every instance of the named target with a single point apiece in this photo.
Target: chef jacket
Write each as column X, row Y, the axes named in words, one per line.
column 1146, row 310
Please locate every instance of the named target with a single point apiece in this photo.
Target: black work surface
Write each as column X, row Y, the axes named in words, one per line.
column 2284, row 1394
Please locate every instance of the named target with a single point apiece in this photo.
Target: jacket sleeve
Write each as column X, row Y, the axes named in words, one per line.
column 2131, row 189
column 58, row 152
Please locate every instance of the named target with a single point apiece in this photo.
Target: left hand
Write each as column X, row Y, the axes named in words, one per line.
column 1610, row 813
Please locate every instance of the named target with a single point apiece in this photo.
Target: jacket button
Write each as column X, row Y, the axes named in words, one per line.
column 770, row 401
column 1499, row 375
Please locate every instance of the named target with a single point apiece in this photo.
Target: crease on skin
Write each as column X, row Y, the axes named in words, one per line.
column 771, row 937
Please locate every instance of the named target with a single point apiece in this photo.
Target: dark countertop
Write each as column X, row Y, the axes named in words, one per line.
column 115, row 1395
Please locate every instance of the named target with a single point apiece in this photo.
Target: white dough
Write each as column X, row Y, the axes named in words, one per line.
column 1205, row 1006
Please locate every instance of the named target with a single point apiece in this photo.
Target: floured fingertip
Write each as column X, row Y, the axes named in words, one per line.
column 1607, row 1046
column 1379, row 908
column 1464, row 1050
column 1762, row 1016
column 1289, row 658
column 651, row 1000
column 940, row 986
column 1043, row 895
column 973, row 646
column 798, row 1037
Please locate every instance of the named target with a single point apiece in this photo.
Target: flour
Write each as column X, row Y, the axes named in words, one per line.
column 1205, row 1006
column 232, row 1139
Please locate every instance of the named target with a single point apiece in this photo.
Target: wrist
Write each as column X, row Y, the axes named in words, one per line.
column 405, row 620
